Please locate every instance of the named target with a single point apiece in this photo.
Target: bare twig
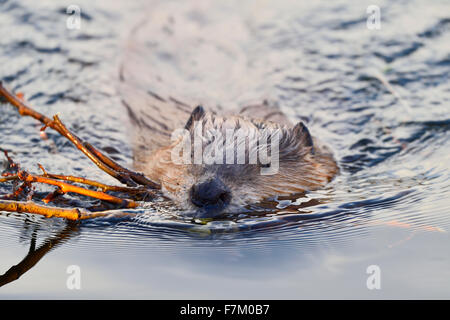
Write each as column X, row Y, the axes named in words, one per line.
column 31, row 207
column 106, row 164
column 9, row 178
column 66, row 187
column 49, row 212
column 102, row 186
column 11, row 163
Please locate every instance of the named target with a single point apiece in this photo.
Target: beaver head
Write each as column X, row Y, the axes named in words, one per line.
column 220, row 164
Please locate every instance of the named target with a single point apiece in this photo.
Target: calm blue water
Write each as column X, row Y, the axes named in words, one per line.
column 378, row 98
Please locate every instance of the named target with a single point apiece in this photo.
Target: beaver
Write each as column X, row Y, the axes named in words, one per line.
column 160, row 101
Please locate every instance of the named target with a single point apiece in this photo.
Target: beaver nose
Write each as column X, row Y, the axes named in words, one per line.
column 212, row 195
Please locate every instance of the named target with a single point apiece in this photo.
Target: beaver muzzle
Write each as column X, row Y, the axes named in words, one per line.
column 211, row 197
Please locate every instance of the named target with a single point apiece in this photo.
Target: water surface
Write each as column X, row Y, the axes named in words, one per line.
column 378, row 98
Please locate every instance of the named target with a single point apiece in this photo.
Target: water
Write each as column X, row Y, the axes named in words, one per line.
column 379, row 98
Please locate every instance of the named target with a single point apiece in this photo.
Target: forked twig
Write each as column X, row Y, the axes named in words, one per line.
column 49, row 212
column 93, row 183
column 106, row 164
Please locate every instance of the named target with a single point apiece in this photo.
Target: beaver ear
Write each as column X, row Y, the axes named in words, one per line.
column 301, row 132
column 196, row 115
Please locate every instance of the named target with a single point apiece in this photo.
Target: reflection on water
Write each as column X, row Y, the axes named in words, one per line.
column 35, row 254
column 380, row 99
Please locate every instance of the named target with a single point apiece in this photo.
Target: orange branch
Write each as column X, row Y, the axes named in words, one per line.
column 31, row 207
column 93, row 183
column 50, row 212
column 66, row 187
column 106, row 164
